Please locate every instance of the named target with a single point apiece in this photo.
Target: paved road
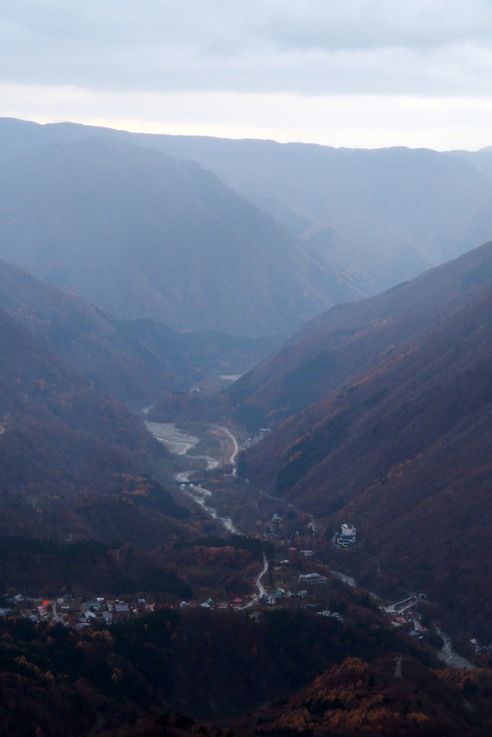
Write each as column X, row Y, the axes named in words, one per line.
column 56, row 616
column 264, row 570
column 261, row 590
column 235, row 446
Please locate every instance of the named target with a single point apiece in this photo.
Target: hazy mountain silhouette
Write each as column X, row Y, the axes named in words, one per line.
column 379, row 215
column 144, row 235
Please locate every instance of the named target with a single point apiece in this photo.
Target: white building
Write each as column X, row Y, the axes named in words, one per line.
column 312, row 579
column 348, row 533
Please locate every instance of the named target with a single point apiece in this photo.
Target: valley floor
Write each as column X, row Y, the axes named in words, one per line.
column 297, row 540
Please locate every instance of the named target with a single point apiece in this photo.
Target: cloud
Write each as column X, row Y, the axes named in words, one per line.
column 379, row 47
column 340, row 72
column 362, row 120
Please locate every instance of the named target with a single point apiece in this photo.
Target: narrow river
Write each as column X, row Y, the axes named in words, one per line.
column 180, row 443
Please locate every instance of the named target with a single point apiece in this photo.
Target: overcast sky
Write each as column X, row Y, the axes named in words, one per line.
column 353, row 73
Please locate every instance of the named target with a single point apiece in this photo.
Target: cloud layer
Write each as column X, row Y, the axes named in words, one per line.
column 424, row 47
column 346, row 72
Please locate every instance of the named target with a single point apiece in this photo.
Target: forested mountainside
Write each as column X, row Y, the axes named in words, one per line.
column 143, row 235
column 403, row 451
column 74, row 461
column 140, row 678
column 352, row 339
column 351, row 698
column 134, row 360
column 379, row 215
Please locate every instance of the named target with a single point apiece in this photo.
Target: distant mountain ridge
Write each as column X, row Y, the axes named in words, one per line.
column 143, row 235
column 377, row 216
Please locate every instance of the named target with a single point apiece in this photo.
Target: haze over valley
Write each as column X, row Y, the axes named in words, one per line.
column 245, row 370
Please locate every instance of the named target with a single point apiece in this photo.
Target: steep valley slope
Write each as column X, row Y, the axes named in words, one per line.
column 352, row 339
column 133, row 360
column 67, row 449
column 403, row 451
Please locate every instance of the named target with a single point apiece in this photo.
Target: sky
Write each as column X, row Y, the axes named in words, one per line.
column 359, row 73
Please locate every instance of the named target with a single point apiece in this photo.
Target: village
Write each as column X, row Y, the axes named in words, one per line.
column 291, row 583
column 73, row 611
column 290, row 577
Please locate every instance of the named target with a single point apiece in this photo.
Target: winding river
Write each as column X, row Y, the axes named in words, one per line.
column 180, row 443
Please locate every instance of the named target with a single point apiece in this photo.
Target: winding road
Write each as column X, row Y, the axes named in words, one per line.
column 261, row 589
column 235, row 446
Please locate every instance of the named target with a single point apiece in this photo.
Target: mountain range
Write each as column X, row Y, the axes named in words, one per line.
column 133, row 360
column 399, row 438
column 374, row 217
column 144, row 235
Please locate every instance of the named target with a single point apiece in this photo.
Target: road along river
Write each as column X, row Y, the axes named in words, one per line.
column 180, row 443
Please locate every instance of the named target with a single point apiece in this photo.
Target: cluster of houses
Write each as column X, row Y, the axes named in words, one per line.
column 72, row 611
column 410, row 619
column 210, row 604
column 331, row 615
column 404, row 614
column 271, row 599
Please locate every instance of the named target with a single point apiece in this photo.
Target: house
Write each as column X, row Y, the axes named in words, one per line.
column 313, row 579
column 348, row 534
column 82, row 623
column 399, row 621
column 121, row 611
